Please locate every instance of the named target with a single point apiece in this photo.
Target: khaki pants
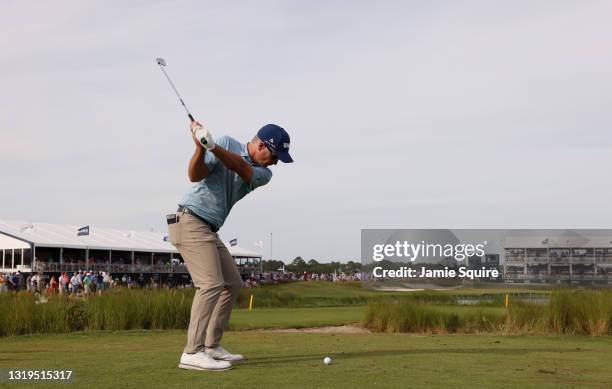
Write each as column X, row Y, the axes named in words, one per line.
column 214, row 274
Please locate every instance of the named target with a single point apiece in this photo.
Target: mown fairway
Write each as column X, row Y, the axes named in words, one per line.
column 322, row 293
column 148, row 359
column 243, row 319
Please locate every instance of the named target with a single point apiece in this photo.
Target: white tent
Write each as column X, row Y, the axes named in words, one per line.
column 65, row 235
column 238, row 251
column 19, row 235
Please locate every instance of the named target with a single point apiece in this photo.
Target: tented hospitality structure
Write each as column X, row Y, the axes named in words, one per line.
column 52, row 248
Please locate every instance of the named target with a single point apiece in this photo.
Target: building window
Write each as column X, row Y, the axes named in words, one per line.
column 27, row 257
column 17, row 257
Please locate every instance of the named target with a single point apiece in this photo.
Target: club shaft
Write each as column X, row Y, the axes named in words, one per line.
column 177, row 94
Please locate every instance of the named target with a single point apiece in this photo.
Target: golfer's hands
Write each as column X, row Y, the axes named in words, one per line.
column 201, row 136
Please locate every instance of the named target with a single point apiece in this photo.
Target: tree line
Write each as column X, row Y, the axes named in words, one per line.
column 299, row 265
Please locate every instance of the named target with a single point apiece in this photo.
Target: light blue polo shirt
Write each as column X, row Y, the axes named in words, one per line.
column 214, row 196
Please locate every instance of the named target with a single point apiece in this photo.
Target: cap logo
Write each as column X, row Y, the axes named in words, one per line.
column 271, row 140
column 285, row 145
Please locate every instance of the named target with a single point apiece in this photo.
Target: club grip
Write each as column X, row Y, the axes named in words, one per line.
column 191, row 117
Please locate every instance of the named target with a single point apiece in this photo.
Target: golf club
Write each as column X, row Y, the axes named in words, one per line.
column 162, row 64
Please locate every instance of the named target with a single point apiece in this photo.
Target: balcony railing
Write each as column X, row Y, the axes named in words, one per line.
column 126, row 268
column 557, row 277
column 110, row 268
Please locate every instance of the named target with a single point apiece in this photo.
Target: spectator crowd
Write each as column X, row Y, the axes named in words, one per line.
column 83, row 283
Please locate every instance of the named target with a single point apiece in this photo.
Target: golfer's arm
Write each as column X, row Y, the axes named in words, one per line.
column 234, row 162
column 197, row 169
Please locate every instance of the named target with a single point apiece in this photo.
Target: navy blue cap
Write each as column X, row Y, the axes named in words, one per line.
column 277, row 140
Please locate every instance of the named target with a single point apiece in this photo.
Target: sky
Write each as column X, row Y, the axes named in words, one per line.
column 402, row 114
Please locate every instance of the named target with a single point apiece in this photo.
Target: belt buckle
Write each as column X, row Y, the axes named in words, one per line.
column 209, row 224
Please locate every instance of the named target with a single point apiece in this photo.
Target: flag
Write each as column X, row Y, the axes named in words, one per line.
column 259, row 244
column 83, row 231
column 234, row 242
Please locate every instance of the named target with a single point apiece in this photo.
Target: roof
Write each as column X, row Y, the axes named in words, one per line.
column 238, row 251
column 8, row 242
column 558, row 241
column 65, row 235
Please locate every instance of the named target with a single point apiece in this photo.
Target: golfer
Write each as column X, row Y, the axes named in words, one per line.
column 224, row 172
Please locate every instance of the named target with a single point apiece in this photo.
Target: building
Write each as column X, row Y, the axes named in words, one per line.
column 55, row 248
column 562, row 259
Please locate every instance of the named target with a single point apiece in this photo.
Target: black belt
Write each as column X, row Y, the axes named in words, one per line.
column 189, row 211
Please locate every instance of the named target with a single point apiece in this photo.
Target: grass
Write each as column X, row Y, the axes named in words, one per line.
column 243, row 319
column 130, row 310
column 390, row 359
column 418, row 316
column 120, row 309
column 585, row 312
column 569, row 312
column 575, row 312
column 148, row 359
column 328, row 294
column 309, row 294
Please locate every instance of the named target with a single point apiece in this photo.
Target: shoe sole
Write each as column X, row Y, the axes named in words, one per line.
column 194, row 367
column 228, row 359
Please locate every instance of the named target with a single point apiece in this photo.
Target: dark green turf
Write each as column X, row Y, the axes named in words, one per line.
column 148, row 359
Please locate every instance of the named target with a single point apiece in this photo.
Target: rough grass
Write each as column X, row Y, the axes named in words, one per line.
column 121, row 309
column 417, row 316
column 584, row 312
column 576, row 312
column 567, row 312
column 141, row 309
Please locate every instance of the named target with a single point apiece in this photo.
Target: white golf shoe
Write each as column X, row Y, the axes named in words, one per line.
column 221, row 354
column 202, row 361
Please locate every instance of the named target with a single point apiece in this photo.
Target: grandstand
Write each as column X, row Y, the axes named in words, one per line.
column 54, row 248
column 573, row 259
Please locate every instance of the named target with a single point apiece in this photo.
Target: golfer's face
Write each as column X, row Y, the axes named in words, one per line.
column 266, row 156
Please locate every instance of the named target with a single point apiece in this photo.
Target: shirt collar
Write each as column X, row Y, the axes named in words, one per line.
column 244, row 152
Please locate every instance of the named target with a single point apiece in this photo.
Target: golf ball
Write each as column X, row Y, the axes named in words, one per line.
column 327, row 360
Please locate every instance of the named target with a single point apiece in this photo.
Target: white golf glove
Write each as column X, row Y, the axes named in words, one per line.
column 204, row 137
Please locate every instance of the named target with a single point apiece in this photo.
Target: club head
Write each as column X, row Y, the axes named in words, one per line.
column 160, row 61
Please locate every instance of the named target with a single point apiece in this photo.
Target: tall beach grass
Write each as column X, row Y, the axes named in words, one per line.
column 576, row 312
column 586, row 312
column 121, row 309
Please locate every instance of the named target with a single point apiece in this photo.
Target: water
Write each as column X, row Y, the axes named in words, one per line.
column 537, row 298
